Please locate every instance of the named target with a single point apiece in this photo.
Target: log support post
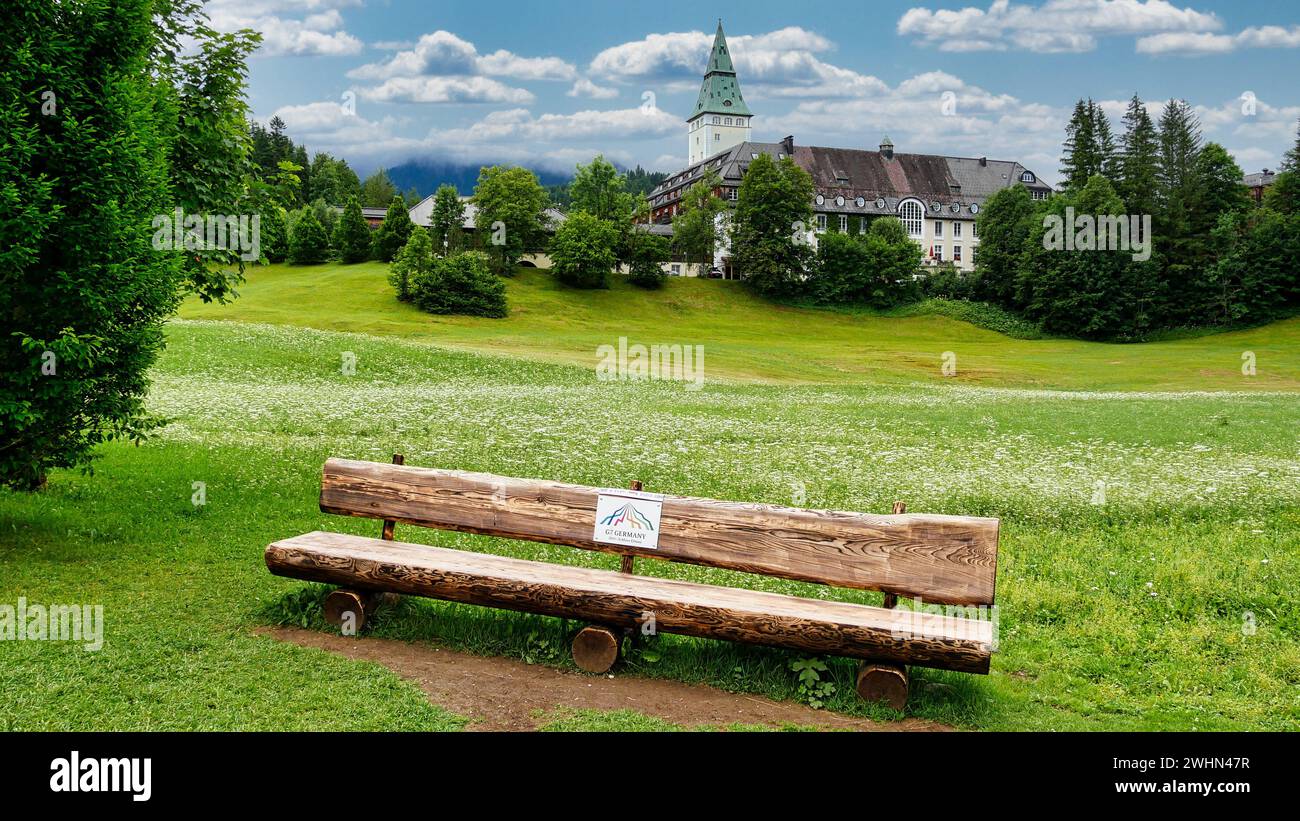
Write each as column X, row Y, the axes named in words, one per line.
column 358, row 606
column 352, row 610
column 882, row 680
column 595, row 648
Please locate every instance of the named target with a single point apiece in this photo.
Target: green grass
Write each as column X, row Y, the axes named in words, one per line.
column 630, row 721
column 746, row 338
column 1122, row 615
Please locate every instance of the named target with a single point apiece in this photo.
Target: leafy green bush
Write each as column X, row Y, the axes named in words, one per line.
column 980, row 314
column 584, row 251
column 878, row 268
column 947, row 281
column 647, row 254
column 413, row 261
column 460, row 284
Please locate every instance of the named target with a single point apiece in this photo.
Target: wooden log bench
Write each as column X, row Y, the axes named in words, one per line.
column 937, row 559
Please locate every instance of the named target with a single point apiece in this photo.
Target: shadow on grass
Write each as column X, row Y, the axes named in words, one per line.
column 956, row 699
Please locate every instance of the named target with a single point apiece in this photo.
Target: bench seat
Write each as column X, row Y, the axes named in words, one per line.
column 620, row 599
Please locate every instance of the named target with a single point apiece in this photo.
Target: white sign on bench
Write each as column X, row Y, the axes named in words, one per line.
column 628, row 517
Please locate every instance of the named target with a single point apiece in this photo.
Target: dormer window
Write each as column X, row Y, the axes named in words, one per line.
column 1028, row 176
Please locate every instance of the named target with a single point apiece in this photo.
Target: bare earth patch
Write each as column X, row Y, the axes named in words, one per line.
column 505, row 694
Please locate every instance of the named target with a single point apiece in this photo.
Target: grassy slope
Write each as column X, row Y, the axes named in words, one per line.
column 749, row 339
column 1122, row 615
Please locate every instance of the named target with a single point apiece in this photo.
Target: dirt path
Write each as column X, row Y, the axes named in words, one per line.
column 504, row 694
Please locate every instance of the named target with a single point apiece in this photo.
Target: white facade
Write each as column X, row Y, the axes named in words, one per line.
column 944, row 237
column 708, row 134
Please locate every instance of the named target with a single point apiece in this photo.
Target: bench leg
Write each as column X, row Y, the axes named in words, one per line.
column 595, row 648
column 357, row 607
column 882, row 681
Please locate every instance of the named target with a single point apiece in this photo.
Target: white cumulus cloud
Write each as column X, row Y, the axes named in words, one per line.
column 442, row 67
column 1053, row 27
column 779, row 63
column 584, row 87
column 1197, row 44
column 319, row 33
column 445, row 89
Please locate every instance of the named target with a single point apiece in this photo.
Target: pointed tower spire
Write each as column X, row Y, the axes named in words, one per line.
column 719, row 59
column 720, row 119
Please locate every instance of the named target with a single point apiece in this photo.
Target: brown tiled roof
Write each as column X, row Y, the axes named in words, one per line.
column 870, row 174
column 851, row 173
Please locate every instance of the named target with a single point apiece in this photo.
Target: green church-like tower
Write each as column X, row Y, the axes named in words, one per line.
column 720, row 119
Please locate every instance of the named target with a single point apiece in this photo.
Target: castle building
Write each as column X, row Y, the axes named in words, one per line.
column 936, row 197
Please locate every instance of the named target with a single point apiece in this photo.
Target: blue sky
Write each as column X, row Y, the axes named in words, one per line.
column 552, row 84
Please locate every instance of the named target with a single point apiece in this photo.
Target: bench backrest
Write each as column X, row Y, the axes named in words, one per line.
column 941, row 559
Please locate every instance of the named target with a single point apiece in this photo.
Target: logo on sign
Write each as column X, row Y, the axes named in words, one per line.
column 628, row 518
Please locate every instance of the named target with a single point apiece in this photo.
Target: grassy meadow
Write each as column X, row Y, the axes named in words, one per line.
column 1149, row 494
column 747, row 338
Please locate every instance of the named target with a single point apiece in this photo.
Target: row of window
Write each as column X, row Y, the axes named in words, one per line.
column 913, row 222
column 956, row 229
column 936, row 252
column 697, row 124
column 676, row 208
column 881, row 204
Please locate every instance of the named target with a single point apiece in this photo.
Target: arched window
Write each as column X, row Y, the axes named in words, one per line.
column 912, row 214
column 1028, row 176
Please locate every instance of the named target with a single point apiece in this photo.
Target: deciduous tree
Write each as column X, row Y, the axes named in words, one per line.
column 584, row 250
column 511, row 217
column 772, row 216
column 109, row 126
